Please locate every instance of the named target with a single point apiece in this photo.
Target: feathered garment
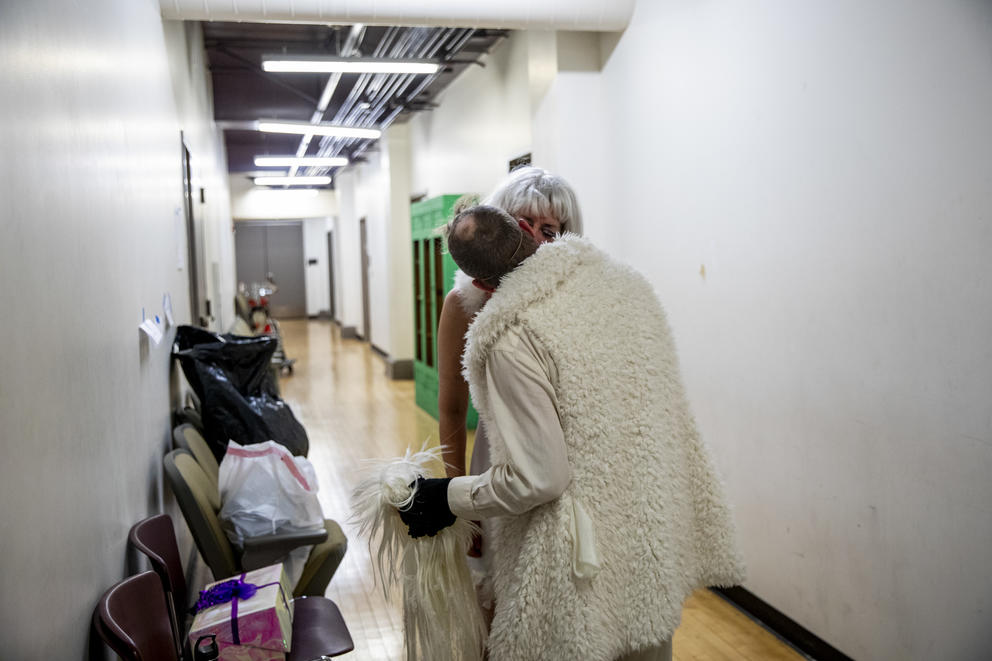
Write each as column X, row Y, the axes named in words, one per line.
column 441, row 616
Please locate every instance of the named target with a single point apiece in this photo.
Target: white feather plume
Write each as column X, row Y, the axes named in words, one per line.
column 441, row 616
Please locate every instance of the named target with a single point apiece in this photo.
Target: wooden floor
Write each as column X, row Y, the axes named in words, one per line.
column 353, row 412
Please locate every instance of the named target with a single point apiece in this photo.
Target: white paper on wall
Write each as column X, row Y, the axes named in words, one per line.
column 152, row 330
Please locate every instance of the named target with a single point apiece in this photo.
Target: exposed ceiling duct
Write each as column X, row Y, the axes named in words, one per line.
column 294, row 116
column 592, row 15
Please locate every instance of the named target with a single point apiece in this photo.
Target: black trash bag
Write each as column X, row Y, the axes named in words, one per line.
column 232, row 376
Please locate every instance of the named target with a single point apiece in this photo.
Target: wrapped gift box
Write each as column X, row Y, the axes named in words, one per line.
column 258, row 627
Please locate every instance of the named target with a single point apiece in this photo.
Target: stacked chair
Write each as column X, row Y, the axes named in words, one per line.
column 318, row 628
column 190, row 413
column 132, row 619
column 144, row 617
column 192, row 473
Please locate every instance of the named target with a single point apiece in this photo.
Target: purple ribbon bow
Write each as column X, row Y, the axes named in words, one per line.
column 232, row 591
column 224, row 592
column 228, row 591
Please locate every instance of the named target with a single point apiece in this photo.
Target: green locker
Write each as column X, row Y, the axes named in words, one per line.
column 433, row 277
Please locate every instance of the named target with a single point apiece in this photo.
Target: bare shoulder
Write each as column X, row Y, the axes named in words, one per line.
column 452, row 325
column 454, row 318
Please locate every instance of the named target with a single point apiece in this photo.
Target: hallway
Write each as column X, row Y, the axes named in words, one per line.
column 805, row 186
column 353, row 412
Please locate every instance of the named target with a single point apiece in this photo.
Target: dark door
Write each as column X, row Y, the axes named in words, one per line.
column 273, row 250
column 198, row 303
column 284, row 251
column 249, row 245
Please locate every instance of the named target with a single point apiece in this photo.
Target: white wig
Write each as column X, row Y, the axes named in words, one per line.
column 531, row 191
column 442, row 620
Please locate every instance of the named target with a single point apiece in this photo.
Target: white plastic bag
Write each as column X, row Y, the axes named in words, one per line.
column 264, row 490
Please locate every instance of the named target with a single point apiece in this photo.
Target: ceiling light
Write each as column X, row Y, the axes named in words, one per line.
column 290, row 64
column 292, row 181
column 301, row 162
column 304, row 128
column 287, row 193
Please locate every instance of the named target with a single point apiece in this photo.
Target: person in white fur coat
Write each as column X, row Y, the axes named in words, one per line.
column 606, row 509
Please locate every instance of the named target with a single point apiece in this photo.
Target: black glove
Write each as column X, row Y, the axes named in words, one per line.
column 429, row 511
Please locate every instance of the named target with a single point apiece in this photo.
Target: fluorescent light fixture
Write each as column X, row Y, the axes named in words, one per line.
column 292, row 181
column 316, row 64
column 290, row 193
column 301, row 162
column 305, row 128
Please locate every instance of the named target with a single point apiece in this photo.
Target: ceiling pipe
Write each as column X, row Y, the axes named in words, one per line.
column 417, row 43
column 593, row 15
column 378, row 90
column 350, row 46
column 402, row 82
column 455, row 43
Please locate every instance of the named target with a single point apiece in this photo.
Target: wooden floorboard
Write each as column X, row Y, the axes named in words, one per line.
column 352, row 412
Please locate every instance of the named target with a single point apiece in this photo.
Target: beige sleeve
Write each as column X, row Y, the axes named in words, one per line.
column 525, row 412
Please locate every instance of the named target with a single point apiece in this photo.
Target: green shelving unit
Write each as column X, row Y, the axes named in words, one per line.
column 433, row 277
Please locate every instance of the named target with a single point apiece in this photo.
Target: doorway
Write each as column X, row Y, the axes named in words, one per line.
column 273, row 250
column 199, row 306
column 366, row 312
column 330, row 273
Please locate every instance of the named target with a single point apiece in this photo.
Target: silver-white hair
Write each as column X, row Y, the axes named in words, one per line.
column 531, row 191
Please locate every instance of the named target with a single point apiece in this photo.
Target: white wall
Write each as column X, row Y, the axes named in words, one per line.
column 347, row 253
column 192, row 90
column 396, row 151
column 88, row 210
column 483, row 122
column 372, row 204
column 807, row 186
column 249, row 202
column 572, row 124
column 377, row 190
column 829, row 166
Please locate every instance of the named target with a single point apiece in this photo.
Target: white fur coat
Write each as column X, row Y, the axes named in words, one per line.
column 638, row 465
column 471, row 297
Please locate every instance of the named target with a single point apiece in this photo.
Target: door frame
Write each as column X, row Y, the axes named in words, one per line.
column 330, row 274
column 199, row 313
column 366, row 304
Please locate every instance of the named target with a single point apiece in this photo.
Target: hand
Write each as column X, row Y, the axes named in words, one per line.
column 429, row 512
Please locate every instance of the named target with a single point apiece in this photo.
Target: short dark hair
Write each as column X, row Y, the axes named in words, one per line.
column 487, row 243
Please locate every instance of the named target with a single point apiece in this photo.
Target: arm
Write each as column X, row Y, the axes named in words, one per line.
column 524, row 408
column 525, row 411
column 452, row 395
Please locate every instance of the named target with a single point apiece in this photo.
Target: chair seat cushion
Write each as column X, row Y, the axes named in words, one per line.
column 318, row 630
